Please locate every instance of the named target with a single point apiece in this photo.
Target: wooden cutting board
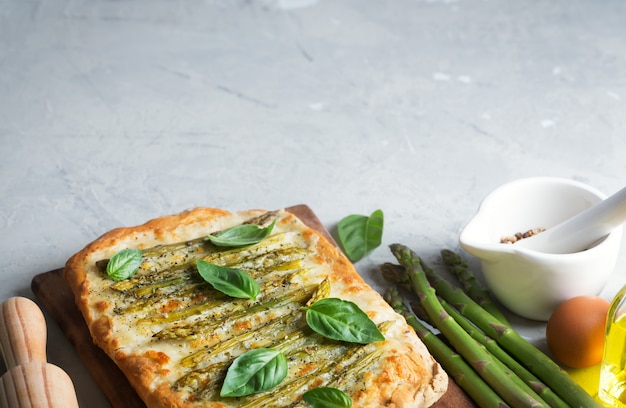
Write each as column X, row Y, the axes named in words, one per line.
column 58, row 300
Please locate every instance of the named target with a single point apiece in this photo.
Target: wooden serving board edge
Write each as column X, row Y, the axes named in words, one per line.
column 57, row 299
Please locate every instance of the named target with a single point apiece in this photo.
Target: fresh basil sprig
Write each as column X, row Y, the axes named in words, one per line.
column 230, row 281
column 124, row 264
column 360, row 234
column 342, row 320
column 241, row 235
column 254, row 371
column 327, row 397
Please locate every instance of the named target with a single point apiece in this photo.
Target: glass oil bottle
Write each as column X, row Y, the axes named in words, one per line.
column 612, row 387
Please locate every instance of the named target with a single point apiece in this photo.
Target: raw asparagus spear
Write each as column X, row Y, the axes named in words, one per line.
column 471, row 284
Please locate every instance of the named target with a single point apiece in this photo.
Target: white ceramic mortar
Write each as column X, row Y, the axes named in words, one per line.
column 530, row 283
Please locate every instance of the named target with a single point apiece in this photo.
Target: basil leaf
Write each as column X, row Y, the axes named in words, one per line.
column 124, row 264
column 254, row 371
column 241, row 235
column 230, row 281
column 359, row 234
column 342, row 320
column 327, row 397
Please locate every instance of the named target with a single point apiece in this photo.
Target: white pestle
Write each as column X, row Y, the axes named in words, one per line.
column 582, row 230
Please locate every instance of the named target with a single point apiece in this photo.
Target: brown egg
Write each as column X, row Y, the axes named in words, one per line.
column 575, row 331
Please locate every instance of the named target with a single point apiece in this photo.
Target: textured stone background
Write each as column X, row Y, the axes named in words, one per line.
column 114, row 112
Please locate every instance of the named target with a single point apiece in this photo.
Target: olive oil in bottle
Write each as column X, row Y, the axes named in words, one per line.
column 612, row 387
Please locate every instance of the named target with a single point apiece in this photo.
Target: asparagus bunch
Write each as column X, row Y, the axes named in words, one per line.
column 454, row 364
column 546, row 393
column 499, row 378
column 541, row 382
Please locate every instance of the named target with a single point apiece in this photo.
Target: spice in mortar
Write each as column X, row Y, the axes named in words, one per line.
column 511, row 239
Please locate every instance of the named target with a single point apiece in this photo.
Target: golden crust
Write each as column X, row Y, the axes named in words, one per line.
column 406, row 376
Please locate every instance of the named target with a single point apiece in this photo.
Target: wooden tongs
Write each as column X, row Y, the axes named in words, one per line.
column 30, row 381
